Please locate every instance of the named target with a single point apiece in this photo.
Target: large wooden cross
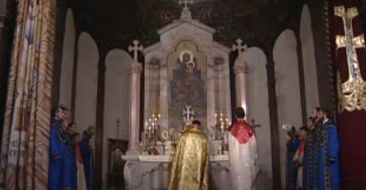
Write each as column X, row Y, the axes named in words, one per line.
column 135, row 48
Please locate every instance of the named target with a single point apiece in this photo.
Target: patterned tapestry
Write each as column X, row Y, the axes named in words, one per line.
column 24, row 154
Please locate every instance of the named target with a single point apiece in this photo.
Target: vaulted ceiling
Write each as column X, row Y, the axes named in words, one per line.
column 115, row 23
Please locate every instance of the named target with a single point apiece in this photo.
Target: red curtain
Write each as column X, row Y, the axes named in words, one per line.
column 352, row 125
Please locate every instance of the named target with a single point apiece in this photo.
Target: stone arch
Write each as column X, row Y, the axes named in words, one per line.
column 287, row 87
column 257, row 96
column 86, row 82
column 116, row 100
column 67, row 64
column 309, row 60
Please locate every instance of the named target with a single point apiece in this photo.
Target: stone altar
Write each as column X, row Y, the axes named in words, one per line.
column 147, row 172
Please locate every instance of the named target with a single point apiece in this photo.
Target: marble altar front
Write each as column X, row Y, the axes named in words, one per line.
column 151, row 172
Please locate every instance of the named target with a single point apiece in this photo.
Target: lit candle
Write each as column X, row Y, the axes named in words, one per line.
column 149, row 132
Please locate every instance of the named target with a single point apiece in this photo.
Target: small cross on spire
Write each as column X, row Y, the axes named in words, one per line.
column 135, row 48
column 186, row 14
column 239, row 47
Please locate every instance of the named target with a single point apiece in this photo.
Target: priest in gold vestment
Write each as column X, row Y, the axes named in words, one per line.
column 190, row 164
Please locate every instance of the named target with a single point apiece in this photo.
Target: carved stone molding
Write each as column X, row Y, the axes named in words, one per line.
column 240, row 67
column 136, row 68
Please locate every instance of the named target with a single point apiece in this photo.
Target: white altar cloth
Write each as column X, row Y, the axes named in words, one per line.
column 146, row 172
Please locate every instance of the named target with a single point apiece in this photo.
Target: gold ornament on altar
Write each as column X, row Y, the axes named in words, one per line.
column 352, row 93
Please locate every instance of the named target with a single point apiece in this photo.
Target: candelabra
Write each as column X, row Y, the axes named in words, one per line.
column 222, row 124
column 152, row 129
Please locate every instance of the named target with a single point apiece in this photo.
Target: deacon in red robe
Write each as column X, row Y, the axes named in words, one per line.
column 243, row 153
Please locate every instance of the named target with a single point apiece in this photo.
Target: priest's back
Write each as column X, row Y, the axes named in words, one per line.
column 190, row 164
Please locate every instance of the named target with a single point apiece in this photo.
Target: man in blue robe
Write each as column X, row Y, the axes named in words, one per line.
column 308, row 154
column 56, row 150
column 311, row 166
column 69, row 173
column 87, row 155
column 293, row 143
column 329, row 155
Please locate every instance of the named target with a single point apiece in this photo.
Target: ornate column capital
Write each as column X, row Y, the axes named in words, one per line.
column 136, row 68
column 240, row 67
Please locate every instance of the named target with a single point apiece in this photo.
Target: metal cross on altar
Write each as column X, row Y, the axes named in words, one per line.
column 254, row 125
column 188, row 114
column 354, row 89
column 135, row 48
column 239, row 47
column 118, row 124
column 186, row 14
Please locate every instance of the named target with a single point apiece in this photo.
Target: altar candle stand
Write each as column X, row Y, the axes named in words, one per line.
column 152, row 128
column 222, row 123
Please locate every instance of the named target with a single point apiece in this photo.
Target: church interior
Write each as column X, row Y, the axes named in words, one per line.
column 137, row 70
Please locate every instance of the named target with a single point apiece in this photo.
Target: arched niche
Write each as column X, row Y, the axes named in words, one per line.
column 86, row 82
column 116, row 100
column 257, row 97
column 287, row 88
column 308, row 54
column 67, row 67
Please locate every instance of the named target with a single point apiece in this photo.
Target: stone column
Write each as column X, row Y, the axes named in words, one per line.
column 134, row 132
column 240, row 70
column 211, row 103
column 164, row 92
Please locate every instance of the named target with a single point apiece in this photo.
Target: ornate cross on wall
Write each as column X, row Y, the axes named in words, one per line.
column 186, row 14
column 354, row 89
column 188, row 114
column 135, row 48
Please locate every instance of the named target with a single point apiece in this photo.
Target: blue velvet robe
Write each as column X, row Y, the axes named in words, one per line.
column 307, row 160
column 329, row 158
column 291, row 170
column 311, row 159
column 69, row 173
column 88, row 163
column 55, row 150
column 62, row 171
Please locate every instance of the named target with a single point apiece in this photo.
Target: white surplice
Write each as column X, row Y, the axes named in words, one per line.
column 243, row 163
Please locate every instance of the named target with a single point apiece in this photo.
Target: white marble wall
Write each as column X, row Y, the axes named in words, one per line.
column 258, row 109
column 86, row 82
column 67, row 64
column 198, row 39
column 308, row 54
column 287, row 87
column 116, row 100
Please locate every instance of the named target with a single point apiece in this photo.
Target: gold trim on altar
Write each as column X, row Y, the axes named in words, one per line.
column 352, row 92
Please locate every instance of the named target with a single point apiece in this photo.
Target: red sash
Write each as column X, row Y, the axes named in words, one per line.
column 78, row 154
